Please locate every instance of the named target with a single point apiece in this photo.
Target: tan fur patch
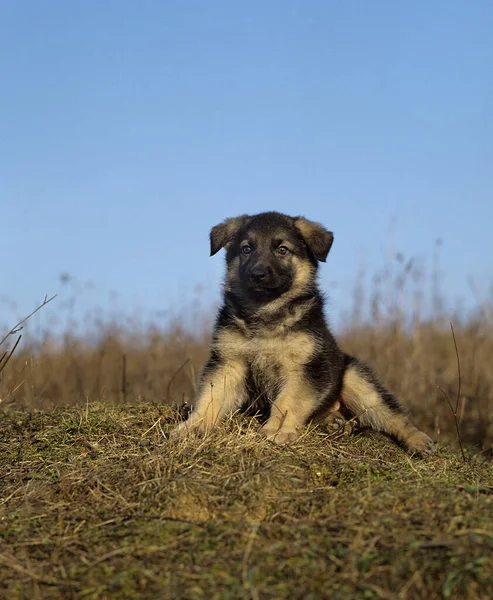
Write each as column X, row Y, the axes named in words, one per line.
column 282, row 326
column 221, row 393
column 273, row 359
column 305, row 227
column 363, row 400
column 304, row 276
column 232, row 273
column 287, row 350
column 296, row 401
column 316, row 236
column 277, row 359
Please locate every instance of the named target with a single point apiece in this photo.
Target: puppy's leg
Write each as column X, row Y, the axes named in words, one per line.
column 221, row 391
column 291, row 409
column 364, row 396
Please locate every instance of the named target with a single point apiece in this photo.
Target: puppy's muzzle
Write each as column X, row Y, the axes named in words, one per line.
column 260, row 275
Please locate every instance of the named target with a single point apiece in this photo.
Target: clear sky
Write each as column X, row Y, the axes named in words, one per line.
column 128, row 129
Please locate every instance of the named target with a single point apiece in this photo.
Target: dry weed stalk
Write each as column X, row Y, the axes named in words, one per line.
column 16, row 328
column 457, row 401
column 7, row 355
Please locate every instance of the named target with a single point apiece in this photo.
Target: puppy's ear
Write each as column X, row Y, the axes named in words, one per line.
column 223, row 233
column 317, row 238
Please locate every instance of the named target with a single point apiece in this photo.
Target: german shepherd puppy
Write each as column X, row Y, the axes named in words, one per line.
column 272, row 349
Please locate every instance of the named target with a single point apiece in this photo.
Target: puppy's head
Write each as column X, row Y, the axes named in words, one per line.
column 271, row 253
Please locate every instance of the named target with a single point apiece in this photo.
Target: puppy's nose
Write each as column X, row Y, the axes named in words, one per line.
column 259, row 274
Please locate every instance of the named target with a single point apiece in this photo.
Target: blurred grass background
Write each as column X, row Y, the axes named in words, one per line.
column 396, row 319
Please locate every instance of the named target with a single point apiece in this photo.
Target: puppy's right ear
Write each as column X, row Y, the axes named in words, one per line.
column 223, row 233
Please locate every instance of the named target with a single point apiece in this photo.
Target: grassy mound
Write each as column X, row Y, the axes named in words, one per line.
column 95, row 502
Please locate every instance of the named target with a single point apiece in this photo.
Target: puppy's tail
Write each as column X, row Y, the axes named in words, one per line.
column 364, row 397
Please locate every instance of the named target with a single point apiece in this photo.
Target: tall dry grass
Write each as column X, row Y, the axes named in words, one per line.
column 398, row 322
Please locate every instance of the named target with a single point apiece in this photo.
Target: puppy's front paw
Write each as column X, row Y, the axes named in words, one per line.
column 280, row 436
column 179, row 432
column 188, row 427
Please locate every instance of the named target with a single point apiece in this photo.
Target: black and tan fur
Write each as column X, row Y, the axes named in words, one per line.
column 272, row 349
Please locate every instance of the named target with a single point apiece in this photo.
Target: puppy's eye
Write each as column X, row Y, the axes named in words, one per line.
column 283, row 250
column 246, row 249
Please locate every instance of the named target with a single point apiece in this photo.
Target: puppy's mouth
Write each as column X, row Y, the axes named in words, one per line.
column 267, row 289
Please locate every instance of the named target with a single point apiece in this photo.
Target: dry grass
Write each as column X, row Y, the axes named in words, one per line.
column 96, row 502
column 159, row 366
column 120, row 360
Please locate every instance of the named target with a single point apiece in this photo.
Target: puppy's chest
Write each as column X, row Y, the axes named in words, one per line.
column 267, row 357
column 266, row 353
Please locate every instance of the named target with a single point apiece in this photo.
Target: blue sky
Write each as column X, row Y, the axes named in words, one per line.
column 128, row 129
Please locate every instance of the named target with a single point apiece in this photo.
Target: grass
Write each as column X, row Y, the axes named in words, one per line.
column 116, row 359
column 96, row 502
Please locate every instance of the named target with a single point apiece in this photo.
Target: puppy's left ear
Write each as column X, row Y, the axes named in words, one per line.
column 317, row 238
column 224, row 232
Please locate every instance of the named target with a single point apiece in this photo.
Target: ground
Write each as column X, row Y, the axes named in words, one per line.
column 96, row 502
